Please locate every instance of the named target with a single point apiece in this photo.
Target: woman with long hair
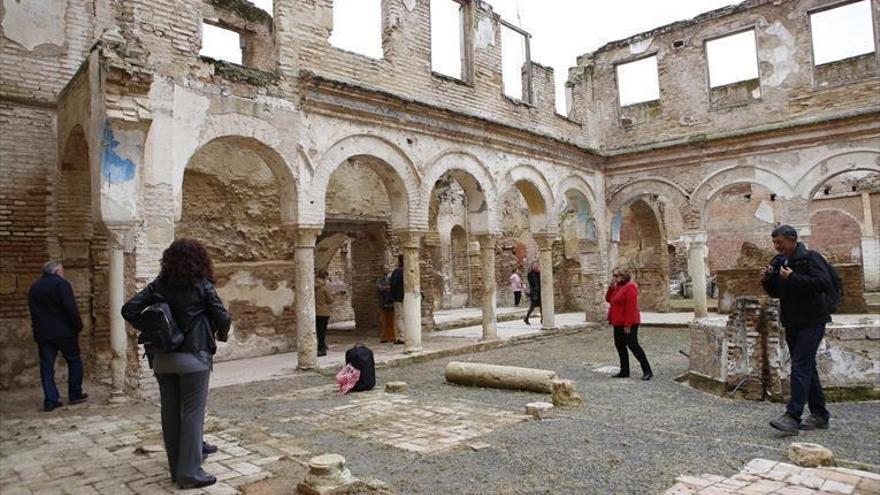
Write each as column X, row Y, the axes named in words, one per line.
column 624, row 316
column 186, row 284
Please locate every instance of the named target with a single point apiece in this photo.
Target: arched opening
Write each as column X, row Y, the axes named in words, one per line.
column 357, row 245
column 233, row 192
column 578, row 241
column 736, row 215
column 518, row 245
column 83, row 245
column 639, row 229
column 844, row 225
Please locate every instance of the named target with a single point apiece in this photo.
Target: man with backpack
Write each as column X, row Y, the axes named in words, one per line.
column 808, row 290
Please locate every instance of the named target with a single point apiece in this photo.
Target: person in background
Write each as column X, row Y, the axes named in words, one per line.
column 186, row 283
column 323, row 309
column 534, row 277
column 799, row 279
column 624, row 316
column 386, row 308
column 56, row 325
column 516, row 286
column 396, row 286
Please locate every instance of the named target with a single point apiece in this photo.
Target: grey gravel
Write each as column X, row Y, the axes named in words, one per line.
column 630, row 437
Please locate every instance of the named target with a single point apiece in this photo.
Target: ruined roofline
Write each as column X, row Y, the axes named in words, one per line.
column 704, row 17
column 244, row 9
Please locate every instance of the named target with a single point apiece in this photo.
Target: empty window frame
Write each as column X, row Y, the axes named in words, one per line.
column 638, row 81
column 449, row 50
column 357, row 27
column 732, row 59
column 842, row 32
column 514, row 59
column 221, row 44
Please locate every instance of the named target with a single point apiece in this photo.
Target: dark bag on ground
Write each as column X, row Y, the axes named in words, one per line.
column 158, row 329
column 361, row 357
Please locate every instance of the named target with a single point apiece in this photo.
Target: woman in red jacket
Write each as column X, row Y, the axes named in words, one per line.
column 623, row 295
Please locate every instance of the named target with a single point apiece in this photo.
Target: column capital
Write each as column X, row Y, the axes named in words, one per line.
column 410, row 238
column 545, row 240
column 695, row 237
column 487, row 240
column 122, row 235
column 304, row 237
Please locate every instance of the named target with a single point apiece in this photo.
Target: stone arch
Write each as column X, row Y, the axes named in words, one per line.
column 284, row 177
column 841, row 241
column 326, row 248
column 535, row 189
column 396, row 170
column 476, row 180
column 721, row 180
column 667, row 191
column 836, row 164
column 571, row 190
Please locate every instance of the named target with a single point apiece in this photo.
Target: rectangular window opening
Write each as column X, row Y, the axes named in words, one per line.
column 638, row 81
column 357, row 27
column 221, row 44
column 842, row 32
column 732, row 59
column 514, row 57
column 447, row 38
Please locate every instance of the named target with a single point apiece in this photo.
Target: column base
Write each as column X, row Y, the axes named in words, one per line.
column 412, row 350
column 118, row 397
column 549, row 329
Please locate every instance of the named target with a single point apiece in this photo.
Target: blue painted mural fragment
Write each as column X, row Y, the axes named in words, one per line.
column 114, row 168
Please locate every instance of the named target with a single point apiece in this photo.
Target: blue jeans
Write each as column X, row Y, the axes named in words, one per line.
column 69, row 348
column 803, row 343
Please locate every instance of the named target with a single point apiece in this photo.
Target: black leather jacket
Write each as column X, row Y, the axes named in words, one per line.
column 196, row 308
column 802, row 296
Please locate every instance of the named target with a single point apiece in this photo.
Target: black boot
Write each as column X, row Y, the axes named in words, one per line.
column 200, row 480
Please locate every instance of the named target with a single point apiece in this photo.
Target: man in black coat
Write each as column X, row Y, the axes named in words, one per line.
column 534, row 278
column 397, row 292
column 56, row 325
column 801, row 281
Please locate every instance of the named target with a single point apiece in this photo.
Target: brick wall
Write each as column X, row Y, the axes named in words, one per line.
column 838, row 234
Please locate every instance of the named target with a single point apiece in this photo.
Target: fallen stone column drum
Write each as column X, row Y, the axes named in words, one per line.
column 495, row 376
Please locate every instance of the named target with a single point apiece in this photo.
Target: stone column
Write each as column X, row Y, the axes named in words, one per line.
column 545, row 260
column 489, row 291
column 870, row 246
column 120, row 242
column 697, row 252
column 412, row 297
column 304, row 261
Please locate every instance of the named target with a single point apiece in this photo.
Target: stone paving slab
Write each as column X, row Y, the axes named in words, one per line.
column 766, row 477
column 121, row 454
column 413, row 425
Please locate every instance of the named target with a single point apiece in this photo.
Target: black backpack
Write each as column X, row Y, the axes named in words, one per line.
column 158, row 330
column 833, row 296
column 361, row 357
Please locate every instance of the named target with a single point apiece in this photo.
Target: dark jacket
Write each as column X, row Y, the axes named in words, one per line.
column 534, row 286
column 54, row 314
column 801, row 297
column 196, row 308
column 396, row 284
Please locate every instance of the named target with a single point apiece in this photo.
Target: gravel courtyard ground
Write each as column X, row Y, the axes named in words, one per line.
column 629, row 437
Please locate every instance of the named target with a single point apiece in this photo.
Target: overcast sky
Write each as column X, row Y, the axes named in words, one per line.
column 563, row 29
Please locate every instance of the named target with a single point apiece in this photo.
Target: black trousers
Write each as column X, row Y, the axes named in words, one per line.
column 184, row 398
column 517, row 295
column 803, row 343
column 321, row 329
column 533, row 303
column 69, row 348
column 630, row 341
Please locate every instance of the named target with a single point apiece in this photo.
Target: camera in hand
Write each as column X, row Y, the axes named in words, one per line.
column 778, row 262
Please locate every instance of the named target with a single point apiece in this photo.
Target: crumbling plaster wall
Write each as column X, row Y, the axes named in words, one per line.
column 788, row 87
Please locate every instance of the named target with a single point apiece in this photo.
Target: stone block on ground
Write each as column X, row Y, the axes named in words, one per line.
column 395, row 387
column 495, row 376
column 327, row 475
column 810, row 454
column 564, row 394
column 539, row 410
